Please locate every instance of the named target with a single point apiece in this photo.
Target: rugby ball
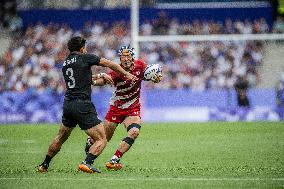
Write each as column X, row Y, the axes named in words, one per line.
column 152, row 71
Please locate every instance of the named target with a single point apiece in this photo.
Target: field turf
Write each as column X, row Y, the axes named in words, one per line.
column 172, row 155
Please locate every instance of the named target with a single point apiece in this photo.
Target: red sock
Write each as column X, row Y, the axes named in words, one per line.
column 118, row 153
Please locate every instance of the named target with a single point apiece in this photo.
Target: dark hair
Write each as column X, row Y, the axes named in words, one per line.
column 76, row 43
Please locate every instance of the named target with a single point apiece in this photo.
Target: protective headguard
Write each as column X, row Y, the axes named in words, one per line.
column 126, row 50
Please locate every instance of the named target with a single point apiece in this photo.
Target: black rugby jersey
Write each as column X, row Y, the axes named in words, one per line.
column 78, row 75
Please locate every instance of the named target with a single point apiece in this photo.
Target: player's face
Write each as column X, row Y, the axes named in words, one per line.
column 126, row 61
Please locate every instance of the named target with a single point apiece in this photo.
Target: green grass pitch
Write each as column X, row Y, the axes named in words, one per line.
column 172, row 155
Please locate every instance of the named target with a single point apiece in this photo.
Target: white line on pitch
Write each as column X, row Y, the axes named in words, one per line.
column 147, row 179
column 3, row 141
column 28, row 141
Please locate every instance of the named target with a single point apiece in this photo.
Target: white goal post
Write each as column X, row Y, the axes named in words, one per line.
column 219, row 37
column 135, row 38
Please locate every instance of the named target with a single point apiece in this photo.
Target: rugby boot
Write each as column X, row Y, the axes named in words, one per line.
column 42, row 168
column 88, row 168
column 113, row 165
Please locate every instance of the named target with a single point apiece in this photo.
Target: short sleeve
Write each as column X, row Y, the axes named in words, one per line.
column 91, row 59
column 143, row 65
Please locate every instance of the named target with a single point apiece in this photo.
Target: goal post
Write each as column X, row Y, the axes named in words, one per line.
column 135, row 25
column 218, row 37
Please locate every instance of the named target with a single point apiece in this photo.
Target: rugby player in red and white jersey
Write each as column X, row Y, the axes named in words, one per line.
column 125, row 103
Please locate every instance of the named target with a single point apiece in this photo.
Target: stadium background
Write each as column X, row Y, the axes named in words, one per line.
column 199, row 76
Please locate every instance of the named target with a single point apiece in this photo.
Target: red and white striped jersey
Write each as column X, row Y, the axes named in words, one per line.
column 127, row 92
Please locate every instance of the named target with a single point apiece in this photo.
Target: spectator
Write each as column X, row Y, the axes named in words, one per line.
column 278, row 26
column 8, row 16
column 280, row 96
column 161, row 25
column 241, row 88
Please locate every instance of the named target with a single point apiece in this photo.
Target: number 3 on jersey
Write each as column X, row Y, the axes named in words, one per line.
column 69, row 73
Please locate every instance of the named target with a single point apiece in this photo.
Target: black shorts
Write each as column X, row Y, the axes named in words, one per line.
column 81, row 112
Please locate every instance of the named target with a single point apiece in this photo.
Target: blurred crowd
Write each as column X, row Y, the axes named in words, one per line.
column 205, row 65
column 34, row 58
column 166, row 26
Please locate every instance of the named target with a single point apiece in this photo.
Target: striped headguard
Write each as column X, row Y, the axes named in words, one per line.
column 126, row 50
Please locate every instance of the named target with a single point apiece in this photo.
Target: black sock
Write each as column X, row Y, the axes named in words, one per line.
column 47, row 159
column 90, row 158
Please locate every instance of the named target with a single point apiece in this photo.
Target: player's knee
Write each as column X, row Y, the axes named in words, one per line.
column 133, row 133
column 103, row 139
column 133, row 130
column 102, row 142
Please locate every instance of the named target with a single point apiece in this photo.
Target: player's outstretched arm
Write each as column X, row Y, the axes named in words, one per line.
column 117, row 68
column 102, row 79
column 98, row 82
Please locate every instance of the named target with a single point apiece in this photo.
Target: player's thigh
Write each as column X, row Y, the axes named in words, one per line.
column 131, row 119
column 86, row 115
column 97, row 132
column 68, row 119
column 109, row 128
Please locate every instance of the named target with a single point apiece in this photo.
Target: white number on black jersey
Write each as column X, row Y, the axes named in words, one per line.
column 69, row 73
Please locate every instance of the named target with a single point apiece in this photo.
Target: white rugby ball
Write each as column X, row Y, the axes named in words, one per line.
column 152, row 71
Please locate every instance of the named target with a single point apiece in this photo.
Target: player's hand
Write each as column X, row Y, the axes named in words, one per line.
column 108, row 79
column 95, row 77
column 131, row 77
column 157, row 78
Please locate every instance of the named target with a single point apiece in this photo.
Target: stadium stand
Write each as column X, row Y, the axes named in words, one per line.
column 34, row 59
